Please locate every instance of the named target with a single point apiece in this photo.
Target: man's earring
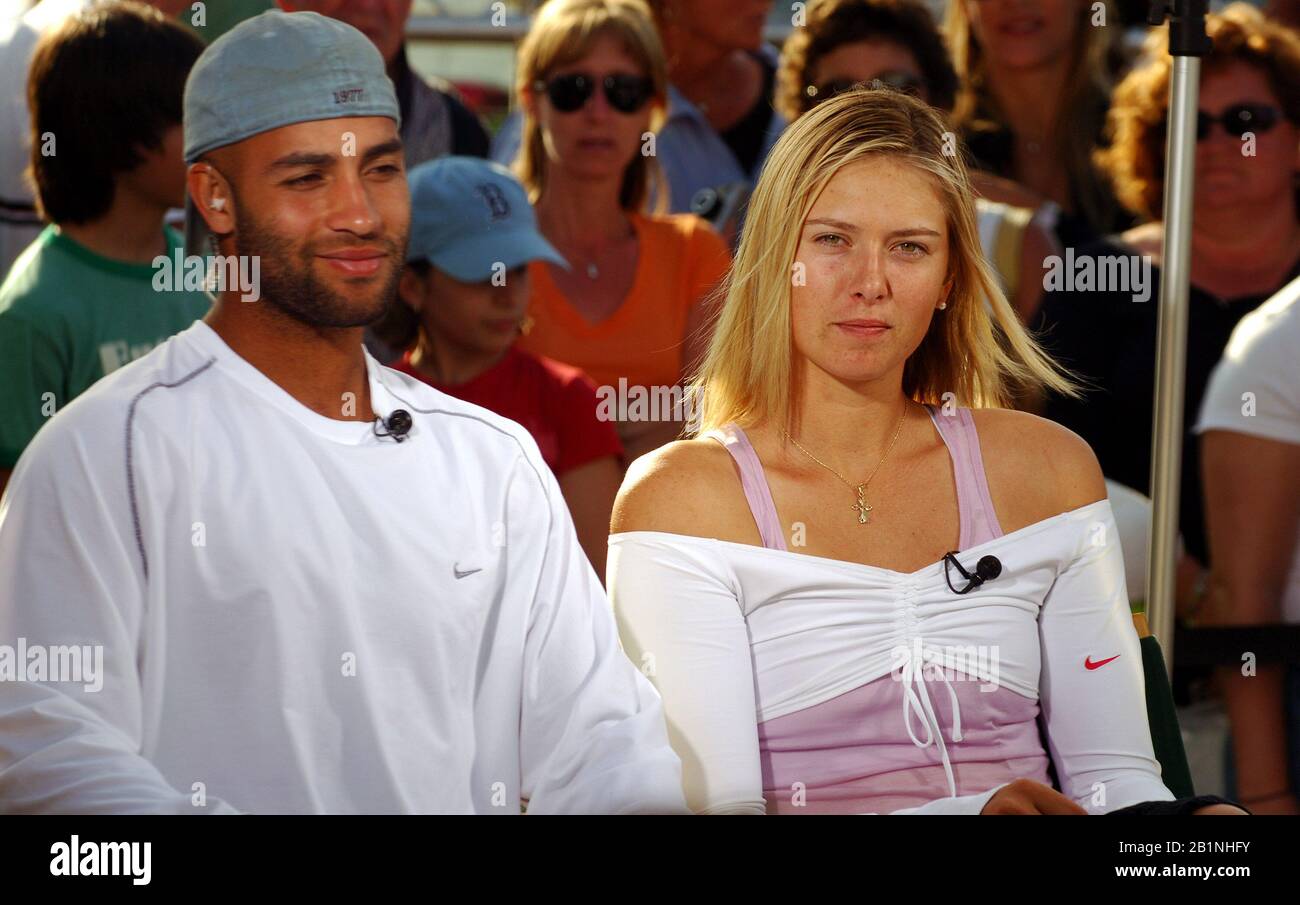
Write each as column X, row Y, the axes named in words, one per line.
column 218, row 204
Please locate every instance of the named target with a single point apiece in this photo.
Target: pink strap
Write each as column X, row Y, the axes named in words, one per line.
column 754, row 483
column 979, row 521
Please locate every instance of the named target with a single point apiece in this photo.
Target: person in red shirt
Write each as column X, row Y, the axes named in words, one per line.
column 463, row 298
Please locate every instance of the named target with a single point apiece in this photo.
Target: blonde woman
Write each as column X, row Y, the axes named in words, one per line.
column 852, row 42
column 1035, row 85
column 783, row 578
column 630, row 308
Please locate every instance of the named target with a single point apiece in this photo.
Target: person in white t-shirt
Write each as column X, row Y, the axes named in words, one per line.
column 1250, row 455
column 256, row 571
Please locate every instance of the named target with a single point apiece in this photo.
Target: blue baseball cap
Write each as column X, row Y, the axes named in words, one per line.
column 277, row 69
column 469, row 215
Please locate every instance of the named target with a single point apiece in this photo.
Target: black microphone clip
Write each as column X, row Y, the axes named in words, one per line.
column 397, row 425
column 987, row 569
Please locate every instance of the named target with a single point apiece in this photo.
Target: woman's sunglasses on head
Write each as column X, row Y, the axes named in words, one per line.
column 899, row 81
column 570, row 93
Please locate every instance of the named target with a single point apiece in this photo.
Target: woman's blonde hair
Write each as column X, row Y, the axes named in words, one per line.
column 1082, row 106
column 977, row 350
column 562, row 33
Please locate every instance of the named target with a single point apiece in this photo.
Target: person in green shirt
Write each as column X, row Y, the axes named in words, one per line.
column 83, row 299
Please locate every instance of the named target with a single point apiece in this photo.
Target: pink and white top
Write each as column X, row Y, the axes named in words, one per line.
column 801, row 684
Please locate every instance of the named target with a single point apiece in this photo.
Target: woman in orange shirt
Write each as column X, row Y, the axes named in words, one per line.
column 633, row 309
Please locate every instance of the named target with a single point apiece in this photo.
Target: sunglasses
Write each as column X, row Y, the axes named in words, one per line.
column 1236, row 120
column 569, row 93
column 899, row 81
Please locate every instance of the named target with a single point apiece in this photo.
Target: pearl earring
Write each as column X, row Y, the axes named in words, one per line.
column 943, row 305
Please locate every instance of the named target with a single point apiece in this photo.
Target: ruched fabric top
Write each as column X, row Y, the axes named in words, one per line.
column 803, row 684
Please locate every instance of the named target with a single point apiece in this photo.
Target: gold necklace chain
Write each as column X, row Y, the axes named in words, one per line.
column 861, row 506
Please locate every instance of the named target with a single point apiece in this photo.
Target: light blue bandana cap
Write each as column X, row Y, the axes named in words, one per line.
column 277, row 69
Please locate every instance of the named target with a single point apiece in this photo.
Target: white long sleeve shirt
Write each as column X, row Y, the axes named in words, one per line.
column 297, row 615
column 734, row 635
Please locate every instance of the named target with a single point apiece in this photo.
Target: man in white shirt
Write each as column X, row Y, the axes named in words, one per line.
column 1250, row 420
column 255, row 571
column 1249, row 431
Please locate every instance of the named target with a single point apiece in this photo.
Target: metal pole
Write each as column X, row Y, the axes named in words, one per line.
column 1187, row 43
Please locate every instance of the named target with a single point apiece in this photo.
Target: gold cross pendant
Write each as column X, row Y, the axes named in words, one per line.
column 861, row 506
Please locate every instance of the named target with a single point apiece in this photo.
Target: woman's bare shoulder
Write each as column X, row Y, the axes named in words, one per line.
column 1036, row 468
column 687, row 487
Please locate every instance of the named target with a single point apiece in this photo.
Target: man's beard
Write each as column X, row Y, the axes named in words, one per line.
column 290, row 284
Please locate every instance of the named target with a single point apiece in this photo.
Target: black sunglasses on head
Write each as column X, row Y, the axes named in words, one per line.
column 899, row 81
column 1237, row 120
column 568, row 93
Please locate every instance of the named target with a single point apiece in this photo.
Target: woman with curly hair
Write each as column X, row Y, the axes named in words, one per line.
column 1245, row 247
